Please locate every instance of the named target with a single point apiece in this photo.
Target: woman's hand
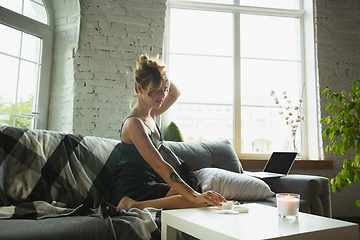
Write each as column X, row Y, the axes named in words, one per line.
column 170, row 99
column 209, row 198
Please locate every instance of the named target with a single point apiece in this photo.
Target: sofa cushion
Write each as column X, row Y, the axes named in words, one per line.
column 172, row 133
column 207, row 154
column 52, row 166
column 232, row 185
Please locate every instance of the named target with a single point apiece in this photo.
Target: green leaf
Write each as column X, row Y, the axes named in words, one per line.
column 324, row 134
column 337, row 188
column 325, row 90
column 325, row 120
column 333, row 185
column 329, row 106
column 328, row 131
column 351, row 105
column 335, row 148
column 337, row 97
column 337, row 132
column 339, row 111
column 351, row 143
column 357, row 160
column 355, row 87
column 357, row 177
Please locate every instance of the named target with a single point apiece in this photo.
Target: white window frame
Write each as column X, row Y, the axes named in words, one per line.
column 311, row 129
column 44, row 31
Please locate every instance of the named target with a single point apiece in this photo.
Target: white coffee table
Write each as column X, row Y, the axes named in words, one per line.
column 261, row 222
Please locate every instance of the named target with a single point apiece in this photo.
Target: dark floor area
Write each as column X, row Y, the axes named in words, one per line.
column 350, row 219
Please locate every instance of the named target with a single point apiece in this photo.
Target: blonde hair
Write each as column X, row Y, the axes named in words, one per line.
column 149, row 73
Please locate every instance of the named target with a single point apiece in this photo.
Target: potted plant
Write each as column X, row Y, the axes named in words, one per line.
column 343, row 131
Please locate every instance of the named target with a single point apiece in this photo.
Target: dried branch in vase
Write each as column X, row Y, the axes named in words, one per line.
column 291, row 114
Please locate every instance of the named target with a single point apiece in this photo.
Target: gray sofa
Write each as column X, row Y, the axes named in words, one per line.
column 314, row 190
column 54, row 186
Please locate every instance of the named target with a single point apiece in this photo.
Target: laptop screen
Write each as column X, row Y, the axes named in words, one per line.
column 280, row 162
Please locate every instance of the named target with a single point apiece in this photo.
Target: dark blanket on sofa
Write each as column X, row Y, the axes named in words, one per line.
column 49, row 174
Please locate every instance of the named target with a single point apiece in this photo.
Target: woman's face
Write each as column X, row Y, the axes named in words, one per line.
column 157, row 97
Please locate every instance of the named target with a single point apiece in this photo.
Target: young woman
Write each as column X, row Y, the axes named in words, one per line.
column 144, row 179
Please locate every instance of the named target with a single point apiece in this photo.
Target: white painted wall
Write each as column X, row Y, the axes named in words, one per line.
column 97, row 44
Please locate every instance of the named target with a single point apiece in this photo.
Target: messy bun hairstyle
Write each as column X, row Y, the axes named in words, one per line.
column 149, row 73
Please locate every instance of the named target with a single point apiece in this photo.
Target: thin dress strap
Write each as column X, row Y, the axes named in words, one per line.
column 142, row 121
column 134, row 116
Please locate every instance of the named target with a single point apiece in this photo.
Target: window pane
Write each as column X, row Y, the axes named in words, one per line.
column 9, row 72
column 23, row 122
column 35, row 11
column 264, row 130
column 212, row 1
column 31, row 47
column 5, row 119
column 10, row 40
column 201, row 63
column 201, row 32
column 203, row 79
column 20, row 62
column 261, row 119
column 27, row 86
column 203, row 122
column 270, row 37
column 259, row 77
column 13, row 5
column 286, row 4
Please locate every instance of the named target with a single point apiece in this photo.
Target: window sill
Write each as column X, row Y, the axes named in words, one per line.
column 298, row 164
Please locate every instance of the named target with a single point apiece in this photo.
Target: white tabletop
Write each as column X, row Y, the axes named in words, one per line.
column 261, row 222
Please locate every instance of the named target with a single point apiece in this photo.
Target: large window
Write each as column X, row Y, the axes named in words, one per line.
column 233, row 62
column 25, row 62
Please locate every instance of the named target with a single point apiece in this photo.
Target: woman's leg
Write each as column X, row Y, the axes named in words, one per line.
column 172, row 200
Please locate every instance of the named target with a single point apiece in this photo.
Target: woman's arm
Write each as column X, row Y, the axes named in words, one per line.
column 140, row 138
column 170, row 99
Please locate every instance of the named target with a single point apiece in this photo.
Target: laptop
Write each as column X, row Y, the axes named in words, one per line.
column 278, row 165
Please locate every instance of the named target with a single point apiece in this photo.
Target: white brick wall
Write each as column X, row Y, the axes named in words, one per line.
column 91, row 92
column 67, row 22
column 113, row 35
column 338, row 37
column 94, row 56
column 338, row 47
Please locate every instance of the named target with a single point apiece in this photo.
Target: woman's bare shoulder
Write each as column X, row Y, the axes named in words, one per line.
column 132, row 126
